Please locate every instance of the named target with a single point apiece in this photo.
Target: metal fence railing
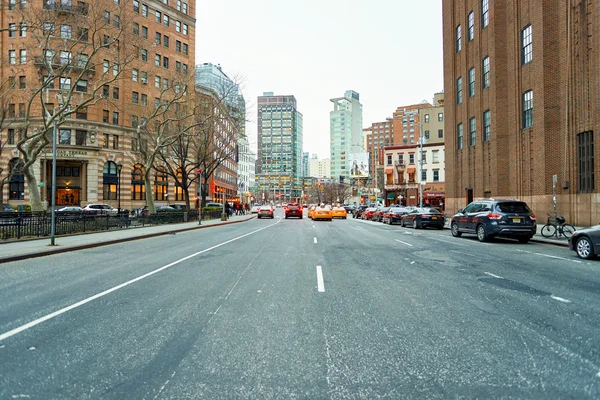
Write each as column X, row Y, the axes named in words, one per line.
column 32, row 224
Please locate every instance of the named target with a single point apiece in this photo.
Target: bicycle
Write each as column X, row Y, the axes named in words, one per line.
column 557, row 228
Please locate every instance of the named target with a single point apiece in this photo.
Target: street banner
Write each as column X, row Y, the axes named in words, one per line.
column 359, row 165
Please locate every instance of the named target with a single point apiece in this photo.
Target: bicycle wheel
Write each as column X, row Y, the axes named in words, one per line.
column 567, row 230
column 548, row 230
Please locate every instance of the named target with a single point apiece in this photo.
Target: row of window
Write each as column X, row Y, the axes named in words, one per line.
column 440, row 117
column 137, row 7
column 485, row 80
column 487, row 130
column 163, row 18
column 485, row 20
column 411, row 157
column 160, row 40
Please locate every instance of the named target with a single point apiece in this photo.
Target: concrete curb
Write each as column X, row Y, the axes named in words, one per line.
column 113, row 241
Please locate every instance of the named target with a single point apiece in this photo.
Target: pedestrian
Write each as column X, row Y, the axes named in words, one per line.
column 246, row 208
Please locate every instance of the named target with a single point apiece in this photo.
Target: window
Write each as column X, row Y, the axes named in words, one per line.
column 184, row 9
column 83, row 34
column 144, row 55
column 65, row 57
column 472, row 132
column 471, row 33
column 65, row 84
column 487, row 126
column 144, row 10
column 105, row 90
column 157, row 60
column 411, row 158
column 49, row 28
column 440, row 133
column 12, row 5
column 116, row 93
column 105, row 116
column 136, row 29
column 22, row 56
column 23, row 29
column 485, row 13
column 165, row 83
column 134, row 74
column 64, row 136
column 177, row 66
column 185, row 29
column 11, row 136
column 105, row 66
column 459, row 97
column 585, row 162
column 145, row 32
column 81, row 86
column 459, row 136
column 137, row 183
column 12, row 57
column 472, row 82
column 165, row 20
column 458, row 38
column 109, row 179
column 158, row 17
column 426, row 134
column 426, row 118
column 144, row 100
column 185, row 49
column 526, row 44
column 166, row 62
column 160, row 184
column 136, row 6
column 115, row 142
column 178, row 26
column 178, row 46
column 115, row 118
column 440, row 117
column 157, row 82
column 135, row 97
column 436, row 175
column 486, row 72
column 106, row 17
column 185, row 70
column 11, row 110
column 80, row 137
column 22, row 110
column 134, row 124
column 16, row 181
column 158, row 38
column 423, row 175
column 81, row 113
column 106, row 41
column 12, row 30
column 165, row 41
column 116, row 21
column 528, row 109
column 389, row 159
column 435, row 156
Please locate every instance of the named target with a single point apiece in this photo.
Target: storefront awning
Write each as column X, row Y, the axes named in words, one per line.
column 389, row 171
column 410, row 170
column 391, row 196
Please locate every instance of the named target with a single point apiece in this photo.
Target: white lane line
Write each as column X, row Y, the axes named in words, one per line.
column 315, row 240
column 38, row 321
column 400, row 241
column 560, row 299
column 492, row 275
column 320, row 283
column 598, row 374
column 556, row 257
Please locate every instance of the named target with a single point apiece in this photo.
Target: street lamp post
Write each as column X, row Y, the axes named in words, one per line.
column 53, row 218
column 119, row 168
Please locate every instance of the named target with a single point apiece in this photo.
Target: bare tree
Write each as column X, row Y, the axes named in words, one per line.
column 77, row 51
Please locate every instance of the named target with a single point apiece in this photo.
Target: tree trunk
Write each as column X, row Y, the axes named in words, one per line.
column 34, row 191
column 148, row 190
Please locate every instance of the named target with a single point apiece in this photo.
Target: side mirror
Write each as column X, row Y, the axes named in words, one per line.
column 460, row 211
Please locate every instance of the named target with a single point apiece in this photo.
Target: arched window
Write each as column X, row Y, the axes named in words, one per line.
column 138, row 192
column 17, row 179
column 109, row 181
column 178, row 189
column 161, row 185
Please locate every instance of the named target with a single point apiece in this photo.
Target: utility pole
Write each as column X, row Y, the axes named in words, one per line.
column 421, row 139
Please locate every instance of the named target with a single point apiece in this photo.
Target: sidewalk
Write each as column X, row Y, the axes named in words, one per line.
column 23, row 249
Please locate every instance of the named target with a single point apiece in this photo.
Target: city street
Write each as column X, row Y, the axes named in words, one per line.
column 289, row 308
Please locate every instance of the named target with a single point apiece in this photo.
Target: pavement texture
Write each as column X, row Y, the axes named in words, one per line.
column 296, row 309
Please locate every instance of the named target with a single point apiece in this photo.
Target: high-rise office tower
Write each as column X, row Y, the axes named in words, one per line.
column 345, row 130
column 279, row 147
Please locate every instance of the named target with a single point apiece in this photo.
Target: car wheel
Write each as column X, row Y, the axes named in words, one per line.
column 584, row 248
column 300, row 217
column 454, row 230
column 482, row 235
column 415, row 224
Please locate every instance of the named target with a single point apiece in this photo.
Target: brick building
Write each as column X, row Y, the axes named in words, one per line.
column 522, row 105
column 124, row 56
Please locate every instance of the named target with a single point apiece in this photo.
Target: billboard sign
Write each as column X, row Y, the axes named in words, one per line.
column 359, row 165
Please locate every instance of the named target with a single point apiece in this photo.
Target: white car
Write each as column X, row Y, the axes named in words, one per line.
column 254, row 209
column 99, row 209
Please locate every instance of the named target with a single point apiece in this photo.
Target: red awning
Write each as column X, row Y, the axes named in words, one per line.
column 410, row 170
column 389, row 171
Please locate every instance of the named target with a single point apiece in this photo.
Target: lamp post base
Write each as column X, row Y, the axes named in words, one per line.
column 223, row 216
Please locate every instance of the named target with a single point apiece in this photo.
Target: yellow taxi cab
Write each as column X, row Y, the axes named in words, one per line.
column 338, row 212
column 311, row 210
column 322, row 213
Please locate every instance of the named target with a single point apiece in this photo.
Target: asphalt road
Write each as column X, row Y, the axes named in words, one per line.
column 286, row 309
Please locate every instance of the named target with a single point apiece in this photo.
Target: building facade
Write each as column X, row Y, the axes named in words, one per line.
column 305, row 164
column 119, row 67
column 522, row 114
column 345, row 130
column 246, row 164
column 319, row 168
column 280, row 140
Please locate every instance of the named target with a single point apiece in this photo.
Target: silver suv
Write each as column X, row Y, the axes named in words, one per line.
column 99, row 209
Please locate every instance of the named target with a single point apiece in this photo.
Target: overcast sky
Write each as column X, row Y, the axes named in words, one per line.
column 389, row 51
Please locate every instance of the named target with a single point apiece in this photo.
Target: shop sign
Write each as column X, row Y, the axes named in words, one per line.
column 71, row 153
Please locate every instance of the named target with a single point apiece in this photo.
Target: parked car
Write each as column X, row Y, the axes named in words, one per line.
column 265, row 212
column 70, row 210
column 163, row 209
column 368, row 213
column 423, row 218
column 7, row 208
column 359, row 210
column 378, row 214
column 213, row 204
column 488, row 218
column 586, row 242
column 179, row 207
column 293, row 210
column 99, row 209
column 322, row 213
column 394, row 214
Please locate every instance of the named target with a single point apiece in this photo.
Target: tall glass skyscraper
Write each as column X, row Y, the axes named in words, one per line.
column 345, row 130
column 279, row 156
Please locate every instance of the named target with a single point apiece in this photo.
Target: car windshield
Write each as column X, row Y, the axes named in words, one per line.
column 266, row 208
column 512, row 207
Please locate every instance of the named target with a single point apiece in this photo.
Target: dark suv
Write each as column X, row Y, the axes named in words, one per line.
column 293, row 210
column 488, row 218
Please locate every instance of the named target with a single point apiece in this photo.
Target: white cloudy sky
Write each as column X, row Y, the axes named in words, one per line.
column 390, row 51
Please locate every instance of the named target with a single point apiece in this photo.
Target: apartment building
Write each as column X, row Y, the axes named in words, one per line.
column 345, row 131
column 104, row 79
column 522, row 81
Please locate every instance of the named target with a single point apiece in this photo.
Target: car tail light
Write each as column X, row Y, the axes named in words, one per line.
column 532, row 216
column 422, row 215
column 286, row 209
column 494, row 216
column 393, row 215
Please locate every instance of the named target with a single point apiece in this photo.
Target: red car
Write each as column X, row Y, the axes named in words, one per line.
column 368, row 213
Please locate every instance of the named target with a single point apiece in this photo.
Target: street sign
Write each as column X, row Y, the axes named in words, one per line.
column 198, row 171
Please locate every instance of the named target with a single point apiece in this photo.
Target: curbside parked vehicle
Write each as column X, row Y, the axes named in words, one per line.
column 423, row 218
column 99, row 209
column 586, row 242
column 488, row 218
